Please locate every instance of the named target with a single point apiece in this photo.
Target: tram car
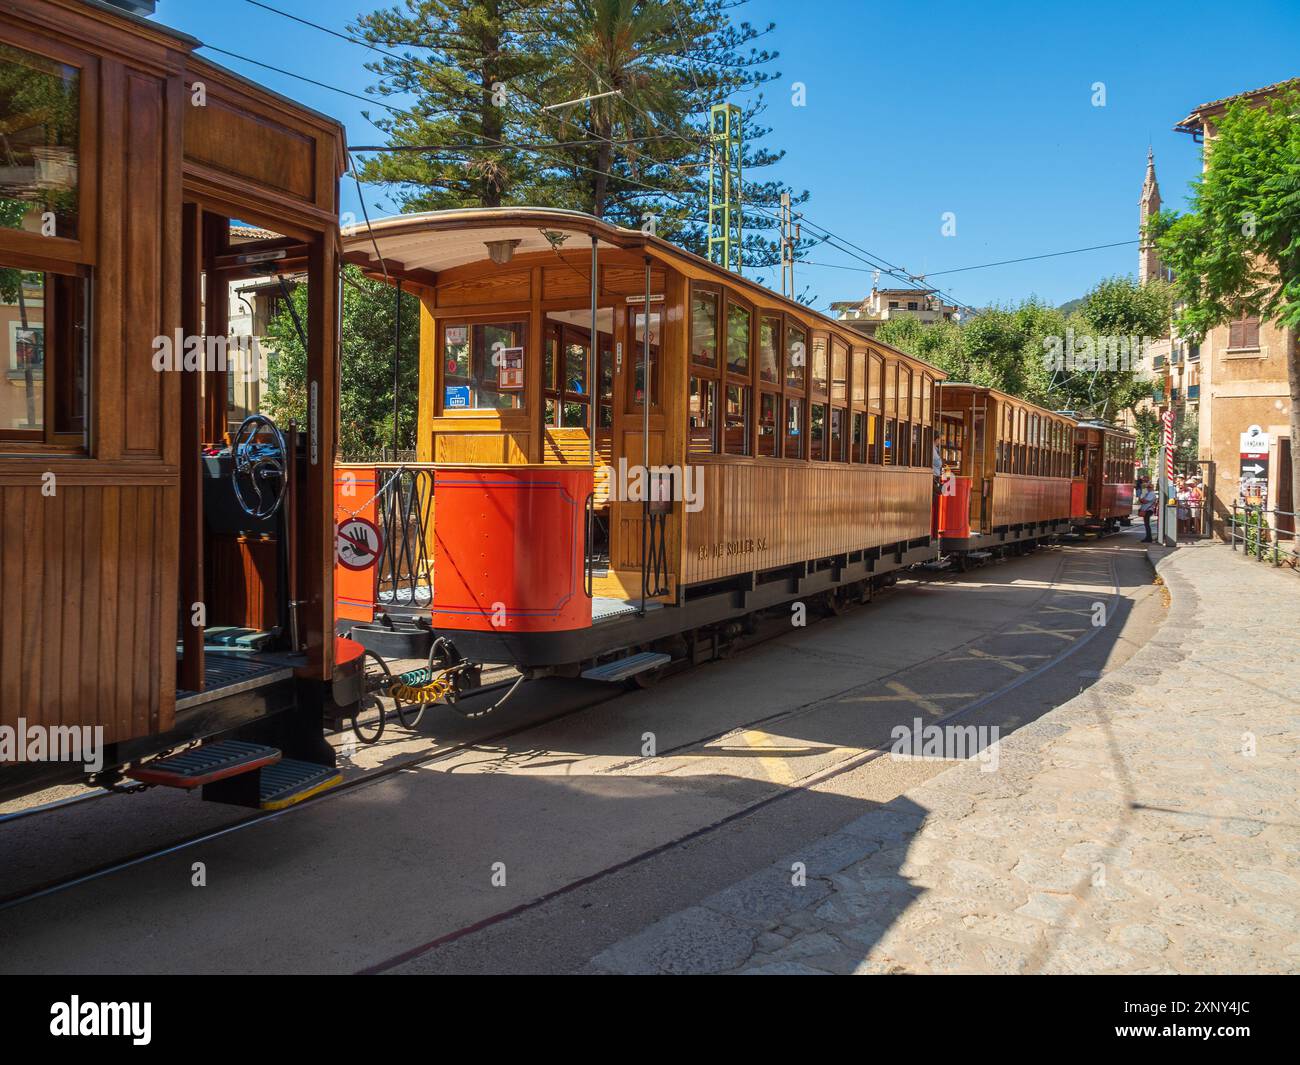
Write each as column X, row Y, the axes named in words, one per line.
column 1101, row 492
column 630, row 450
column 1006, row 478
column 166, row 564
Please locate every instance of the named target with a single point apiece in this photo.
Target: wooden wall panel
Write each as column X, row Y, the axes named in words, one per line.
column 253, row 147
column 142, row 386
column 760, row 516
column 506, row 287
column 84, row 635
column 1019, row 499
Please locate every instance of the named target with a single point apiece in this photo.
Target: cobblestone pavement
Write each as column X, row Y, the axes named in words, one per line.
column 1150, row 825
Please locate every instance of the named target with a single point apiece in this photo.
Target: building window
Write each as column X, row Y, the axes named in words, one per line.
column 1243, row 334
column 911, row 305
column 483, row 366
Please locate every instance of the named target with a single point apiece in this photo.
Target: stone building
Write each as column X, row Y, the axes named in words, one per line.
column 1243, row 381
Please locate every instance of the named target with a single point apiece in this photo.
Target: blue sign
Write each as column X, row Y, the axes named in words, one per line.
column 455, row 397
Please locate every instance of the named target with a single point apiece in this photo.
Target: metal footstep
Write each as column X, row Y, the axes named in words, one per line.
column 623, row 668
column 290, row 781
column 206, row 765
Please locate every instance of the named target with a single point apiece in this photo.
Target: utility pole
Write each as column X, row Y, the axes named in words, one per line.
column 790, row 232
column 726, row 199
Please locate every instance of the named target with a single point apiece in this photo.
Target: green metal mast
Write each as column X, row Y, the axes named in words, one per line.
column 726, row 204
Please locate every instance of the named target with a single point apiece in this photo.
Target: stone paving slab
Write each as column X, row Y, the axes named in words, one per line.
column 1150, row 825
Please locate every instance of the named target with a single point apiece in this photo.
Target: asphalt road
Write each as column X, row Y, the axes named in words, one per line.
column 536, row 836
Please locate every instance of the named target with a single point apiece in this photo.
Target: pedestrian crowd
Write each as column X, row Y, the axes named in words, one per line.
column 1187, row 496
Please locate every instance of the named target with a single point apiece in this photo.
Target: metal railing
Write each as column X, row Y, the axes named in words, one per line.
column 404, row 507
column 1251, row 527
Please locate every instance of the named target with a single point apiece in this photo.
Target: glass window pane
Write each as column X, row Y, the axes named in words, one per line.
column 704, row 328
column 638, row 356
column 820, row 365
column 837, row 434
column 483, row 366
column 860, row 378
column 891, row 390
column 769, row 357
column 794, row 429
column 839, row 372
column 817, row 432
column 768, row 424
column 737, row 339
column 703, row 400
column 23, row 318
column 40, row 103
column 796, row 357
column 736, row 421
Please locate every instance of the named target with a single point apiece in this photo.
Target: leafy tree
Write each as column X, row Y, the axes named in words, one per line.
column 366, row 396
column 1237, row 250
column 482, row 72
column 1005, row 347
column 473, row 57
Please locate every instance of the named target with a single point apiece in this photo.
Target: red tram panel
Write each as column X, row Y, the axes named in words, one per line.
column 508, row 548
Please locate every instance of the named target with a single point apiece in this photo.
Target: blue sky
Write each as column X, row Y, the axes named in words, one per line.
column 983, row 110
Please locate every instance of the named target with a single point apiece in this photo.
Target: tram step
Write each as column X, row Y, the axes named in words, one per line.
column 206, row 765
column 978, row 556
column 291, row 781
column 623, row 668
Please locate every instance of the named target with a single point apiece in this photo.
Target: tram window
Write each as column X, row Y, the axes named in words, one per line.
column 769, row 350
column 837, row 434
column 44, row 356
column 794, row 428
column 703, row 404
column 704, row 328
column 903, row 436
column 873, row 439
column 817, row 432
column 796, row 357
column 820, row 366
column 839, row 372
column 920, row 455
column 40, row 116
column 859, row 378
column 735, row 425
column 887, row 432
column 738, row 319
column 768, row 424
column 638, row 356
column 859, row 437
column 474, row 356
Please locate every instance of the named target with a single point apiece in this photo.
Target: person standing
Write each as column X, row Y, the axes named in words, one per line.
column 1147, row 507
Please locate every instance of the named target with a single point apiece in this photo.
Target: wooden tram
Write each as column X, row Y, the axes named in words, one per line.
column 161, row 583
column 1101, row 495
column 1006, row 471
column 747, row 451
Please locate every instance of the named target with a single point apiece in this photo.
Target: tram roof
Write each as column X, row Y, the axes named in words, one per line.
column 405, row 246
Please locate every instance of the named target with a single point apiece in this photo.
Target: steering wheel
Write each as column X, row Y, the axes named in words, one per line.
column 259, row 476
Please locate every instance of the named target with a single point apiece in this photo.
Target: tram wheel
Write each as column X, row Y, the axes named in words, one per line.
column 375, row 681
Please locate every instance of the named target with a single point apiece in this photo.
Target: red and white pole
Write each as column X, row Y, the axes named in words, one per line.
column 1167, row 526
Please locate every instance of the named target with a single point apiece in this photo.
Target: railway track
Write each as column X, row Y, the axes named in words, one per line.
column 448, row 751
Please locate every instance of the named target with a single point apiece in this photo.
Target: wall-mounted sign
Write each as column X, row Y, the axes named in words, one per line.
column 359, row 543
column 1254, row 441
column 512, row 370
column 455, row 397
column 457, row 334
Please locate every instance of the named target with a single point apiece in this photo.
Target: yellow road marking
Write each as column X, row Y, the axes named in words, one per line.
column 904, row 694
column 1003, row 660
